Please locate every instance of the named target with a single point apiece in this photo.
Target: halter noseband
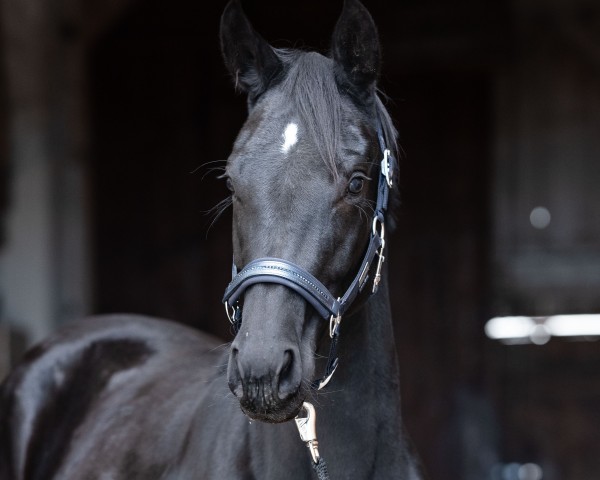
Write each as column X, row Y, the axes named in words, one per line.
column 288, row 274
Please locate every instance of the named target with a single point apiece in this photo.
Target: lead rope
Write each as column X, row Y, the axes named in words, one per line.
column 307, row 428
column 321, row 469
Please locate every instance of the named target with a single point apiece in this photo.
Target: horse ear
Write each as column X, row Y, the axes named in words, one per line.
column 249, row 58
column 355, row 48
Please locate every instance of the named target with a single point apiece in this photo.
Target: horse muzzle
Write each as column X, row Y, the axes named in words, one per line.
column 268, row 384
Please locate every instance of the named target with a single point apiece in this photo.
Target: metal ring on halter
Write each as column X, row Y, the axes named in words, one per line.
column 230, row 316
column 382, row 229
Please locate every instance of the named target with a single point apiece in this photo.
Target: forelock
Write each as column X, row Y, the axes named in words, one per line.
column 310, row 83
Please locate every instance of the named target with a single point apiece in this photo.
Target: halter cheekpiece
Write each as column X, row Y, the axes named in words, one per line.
column 288, row 274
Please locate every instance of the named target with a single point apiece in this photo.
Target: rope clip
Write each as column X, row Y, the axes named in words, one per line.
column 307, row 428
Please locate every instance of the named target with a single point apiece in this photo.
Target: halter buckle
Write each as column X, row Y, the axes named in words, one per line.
column 334, row 324
column 307, row 428
column 386, row 168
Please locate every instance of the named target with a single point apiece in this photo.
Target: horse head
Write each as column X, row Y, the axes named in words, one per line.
column 302, row 176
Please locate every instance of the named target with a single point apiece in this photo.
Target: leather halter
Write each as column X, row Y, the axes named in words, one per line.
column 288, row 274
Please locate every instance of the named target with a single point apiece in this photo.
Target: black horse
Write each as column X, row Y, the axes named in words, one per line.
column 128, row 397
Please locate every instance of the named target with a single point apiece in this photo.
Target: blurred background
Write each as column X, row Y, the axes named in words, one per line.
column 110, row 111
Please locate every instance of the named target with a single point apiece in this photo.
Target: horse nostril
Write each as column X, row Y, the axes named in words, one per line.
column 287, row 363
column 289, row 374
column 235, row 374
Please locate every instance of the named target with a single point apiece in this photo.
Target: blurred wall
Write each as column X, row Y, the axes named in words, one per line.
column 44, row 261
column 4, row 331
column 546, row 233
column 547, row 163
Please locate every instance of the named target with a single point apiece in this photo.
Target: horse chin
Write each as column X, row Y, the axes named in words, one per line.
column 280, row 413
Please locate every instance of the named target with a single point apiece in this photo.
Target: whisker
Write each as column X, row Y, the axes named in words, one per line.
column 211, row 170
column 217, row 208
column 217, row 211
column 206, row 164
column 361, row 211
column 223, row 345
column 323, row 393
column 370, row 205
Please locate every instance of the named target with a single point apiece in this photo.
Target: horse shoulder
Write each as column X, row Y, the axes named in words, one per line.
column 96, row 384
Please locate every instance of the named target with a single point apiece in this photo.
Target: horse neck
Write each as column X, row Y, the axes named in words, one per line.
column 360, row 408
column 358, row 413
column 368, row 362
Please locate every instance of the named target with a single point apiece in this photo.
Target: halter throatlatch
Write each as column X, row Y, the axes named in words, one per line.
column 288, row 274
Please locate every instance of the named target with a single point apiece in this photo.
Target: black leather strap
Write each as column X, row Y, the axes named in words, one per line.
column 361, row 279
column 282, row 272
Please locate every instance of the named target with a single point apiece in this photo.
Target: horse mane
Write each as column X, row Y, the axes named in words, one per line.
column 310, row 81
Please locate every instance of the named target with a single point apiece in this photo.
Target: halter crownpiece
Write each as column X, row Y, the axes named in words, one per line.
column 288, row 274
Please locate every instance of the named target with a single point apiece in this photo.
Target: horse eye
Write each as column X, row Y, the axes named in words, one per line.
column 229, row 184
column 356, row 185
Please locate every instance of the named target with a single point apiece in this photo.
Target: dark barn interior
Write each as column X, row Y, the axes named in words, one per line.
column 497, row 104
